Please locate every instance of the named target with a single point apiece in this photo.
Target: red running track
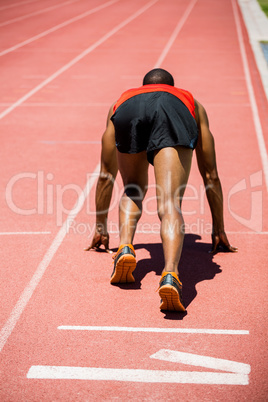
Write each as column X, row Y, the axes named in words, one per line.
column 67, row 334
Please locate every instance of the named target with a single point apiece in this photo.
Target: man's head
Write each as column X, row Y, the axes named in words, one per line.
column 158, row 76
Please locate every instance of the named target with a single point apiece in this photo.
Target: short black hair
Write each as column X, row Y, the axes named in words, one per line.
column 158, row 76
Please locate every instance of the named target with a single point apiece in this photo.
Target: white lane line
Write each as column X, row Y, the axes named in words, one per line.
column 201, row 361
column 157, row 230
column 256, row 23
column 248, row 233
column 41, row 269
column 135, row 375
column 23, row 233
column 157, row 330
column 104, row 104
column 196, row 233
column 21, row 3
column 175, row 33
column 52, row 142
column 253, row 103
column 44, row 10
column 77, row 58
column 53, row 105
column 90, row 104
column 56, row 27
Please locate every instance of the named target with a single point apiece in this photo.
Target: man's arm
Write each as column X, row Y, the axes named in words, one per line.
column 206, row 159
column 105, row 185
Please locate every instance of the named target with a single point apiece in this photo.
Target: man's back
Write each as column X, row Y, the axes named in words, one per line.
column 153, row 117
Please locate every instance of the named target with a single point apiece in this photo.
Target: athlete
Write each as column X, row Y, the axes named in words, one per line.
column 161, row 125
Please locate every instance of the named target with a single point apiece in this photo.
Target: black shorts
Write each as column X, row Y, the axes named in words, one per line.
column 152, row 121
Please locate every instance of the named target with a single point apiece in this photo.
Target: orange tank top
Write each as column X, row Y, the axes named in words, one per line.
column 185, row 96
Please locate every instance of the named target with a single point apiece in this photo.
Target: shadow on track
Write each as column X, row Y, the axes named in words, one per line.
column 196, row 265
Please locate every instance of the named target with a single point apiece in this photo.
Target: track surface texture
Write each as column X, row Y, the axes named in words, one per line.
column 67, row 334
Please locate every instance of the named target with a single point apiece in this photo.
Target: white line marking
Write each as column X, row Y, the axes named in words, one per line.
column 23, row 233
column 156, row 231
column 257, row 27
column 21, row 3
column 51, row 104
column 30, row 288
column 197, row 233
column 34, row 77
column 44, row 10
column 248, row 233
column 175, row 33
column 52, row 142
column 103, row 104
column 201, row 361
column 77, row 58
column 166, row 330
column 56, row 27
column 147, row 376
column 254, row 107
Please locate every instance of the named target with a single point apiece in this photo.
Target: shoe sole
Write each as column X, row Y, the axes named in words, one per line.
column 170, row 299
column 123, row 270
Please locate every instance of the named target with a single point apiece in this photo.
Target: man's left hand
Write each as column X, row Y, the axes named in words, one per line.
column 220, row 242
column 98, row 240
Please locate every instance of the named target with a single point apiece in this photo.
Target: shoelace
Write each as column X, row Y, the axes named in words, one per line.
column 159, row 284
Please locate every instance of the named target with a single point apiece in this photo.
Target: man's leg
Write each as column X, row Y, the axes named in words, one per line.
column 172, row 168
column 134, row 173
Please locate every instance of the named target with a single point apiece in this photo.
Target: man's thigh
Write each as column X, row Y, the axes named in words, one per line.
column 172, row 168
column 134, row 169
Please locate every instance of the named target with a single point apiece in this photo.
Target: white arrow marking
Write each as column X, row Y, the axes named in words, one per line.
column 238, row 376
column 202, row 361
column 145, row 376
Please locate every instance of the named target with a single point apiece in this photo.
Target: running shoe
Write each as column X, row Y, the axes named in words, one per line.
column 124, row 265
column 170, row 291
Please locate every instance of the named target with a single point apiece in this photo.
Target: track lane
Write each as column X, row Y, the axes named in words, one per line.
column 55, row 28
column 13, row 5
column 62, row 57
column 48, row 127
column 63, row 23
column 71, row 277
column 29, row 196
column 24, row 16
